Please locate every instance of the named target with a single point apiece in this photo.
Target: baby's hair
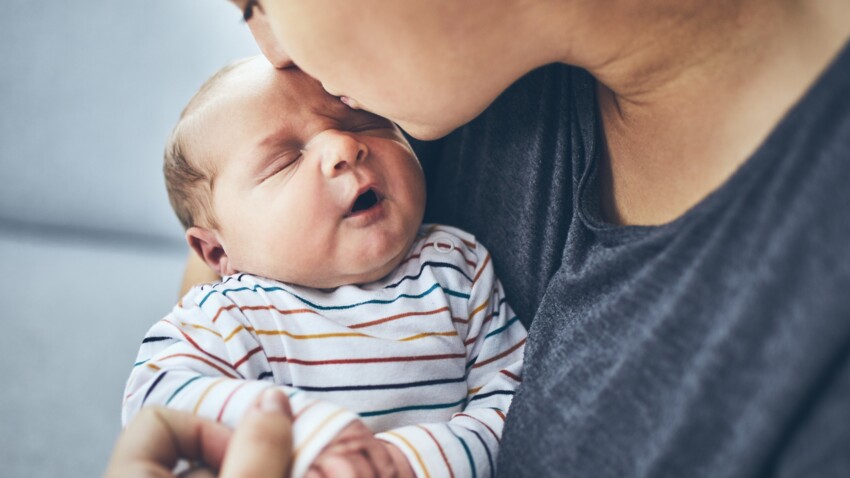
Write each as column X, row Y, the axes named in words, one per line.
column 189, row 180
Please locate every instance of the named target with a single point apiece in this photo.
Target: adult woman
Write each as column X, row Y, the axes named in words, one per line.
column 670, row 224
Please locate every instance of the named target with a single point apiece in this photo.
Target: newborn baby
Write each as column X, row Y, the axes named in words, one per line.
column 332, row 288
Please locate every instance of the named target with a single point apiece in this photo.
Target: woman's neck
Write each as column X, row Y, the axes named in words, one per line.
column 687, row 93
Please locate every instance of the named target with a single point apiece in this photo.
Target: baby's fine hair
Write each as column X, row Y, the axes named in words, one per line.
column 189, row 180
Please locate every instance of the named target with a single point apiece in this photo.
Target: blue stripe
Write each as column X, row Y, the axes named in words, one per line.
column 386, row 386
column 490, row 394
column 153, row 386
column 141, row 363
column 502, row 328
column 335, row 307
column 414, row 407
column 431, row 264
column 181, row 388
column 148, row 340
column 489, row 456
column 468, row 453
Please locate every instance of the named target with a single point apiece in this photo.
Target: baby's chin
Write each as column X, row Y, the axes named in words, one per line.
column 368, row 275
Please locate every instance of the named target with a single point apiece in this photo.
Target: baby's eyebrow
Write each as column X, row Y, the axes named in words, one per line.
column 275, row 138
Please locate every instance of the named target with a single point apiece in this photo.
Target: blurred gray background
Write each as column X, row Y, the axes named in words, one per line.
column 90, row 253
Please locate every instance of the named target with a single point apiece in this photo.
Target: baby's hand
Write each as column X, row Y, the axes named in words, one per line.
column 356, row 453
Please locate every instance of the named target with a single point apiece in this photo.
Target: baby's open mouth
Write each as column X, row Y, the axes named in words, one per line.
column 365, row 201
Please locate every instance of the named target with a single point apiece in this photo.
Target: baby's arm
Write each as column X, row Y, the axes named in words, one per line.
column 199, row 361
column 468, row 443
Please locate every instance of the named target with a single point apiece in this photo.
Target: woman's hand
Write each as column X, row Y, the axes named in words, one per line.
column 157, row 438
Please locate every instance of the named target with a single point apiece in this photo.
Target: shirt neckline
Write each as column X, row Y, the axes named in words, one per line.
column 588, row 200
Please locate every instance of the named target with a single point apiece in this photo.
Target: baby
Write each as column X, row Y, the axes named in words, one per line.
column 332, row 289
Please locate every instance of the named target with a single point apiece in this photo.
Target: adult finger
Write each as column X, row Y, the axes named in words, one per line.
column 261, row 446
column 157, row 437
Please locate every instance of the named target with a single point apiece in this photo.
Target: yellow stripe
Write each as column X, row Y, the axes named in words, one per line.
column 204, row 395
column 416, row 453
column 478, row 309
column 184, row 324
column 309, row 336
column 235, row 331
column 154, row 367
column 316, row 432
column 483, row 266
column 429, row 334
column 473, row 391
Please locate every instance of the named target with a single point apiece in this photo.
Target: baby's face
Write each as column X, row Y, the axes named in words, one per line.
column 307, row 190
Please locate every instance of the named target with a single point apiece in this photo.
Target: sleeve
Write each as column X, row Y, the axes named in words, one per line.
column 209, row 361
column 468, row 443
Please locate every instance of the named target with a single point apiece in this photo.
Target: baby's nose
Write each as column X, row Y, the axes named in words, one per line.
column 340, row 151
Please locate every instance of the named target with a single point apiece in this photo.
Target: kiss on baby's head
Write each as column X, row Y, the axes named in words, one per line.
column 271, row 175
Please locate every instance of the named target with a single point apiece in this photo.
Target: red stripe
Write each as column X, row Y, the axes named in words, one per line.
column 201, row 359
column 229, row 307
column 198, row 347
column 367, row 360
column 396, row 317
column 263, row 307
column 247, row 356
column 501, row 355
column 227, row 400
column 442, row 453
column 483, row 266
column 303, row 411
column 479, row 421
column 505, row 372
column 486, row 319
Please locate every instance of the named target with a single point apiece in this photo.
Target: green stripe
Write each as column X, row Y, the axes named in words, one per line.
column 181, row 388
column 334, row 307
column 414, row 407
column 468, row 453
column 502, row 328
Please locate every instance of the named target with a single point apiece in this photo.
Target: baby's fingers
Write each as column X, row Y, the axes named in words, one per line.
column 353, row 465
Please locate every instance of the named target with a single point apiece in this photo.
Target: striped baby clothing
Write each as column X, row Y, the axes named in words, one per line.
column 428, row 357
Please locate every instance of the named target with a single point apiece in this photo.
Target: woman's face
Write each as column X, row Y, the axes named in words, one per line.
column 401, row 59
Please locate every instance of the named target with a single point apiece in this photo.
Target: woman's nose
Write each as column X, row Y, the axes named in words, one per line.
column 340, row 151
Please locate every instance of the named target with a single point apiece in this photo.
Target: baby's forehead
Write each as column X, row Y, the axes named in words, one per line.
column 257, row 77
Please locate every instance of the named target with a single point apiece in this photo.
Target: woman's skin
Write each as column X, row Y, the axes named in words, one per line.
column 157, row 438
column 688, row 89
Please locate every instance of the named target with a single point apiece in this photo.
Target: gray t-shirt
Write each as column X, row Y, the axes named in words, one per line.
column 716, row 345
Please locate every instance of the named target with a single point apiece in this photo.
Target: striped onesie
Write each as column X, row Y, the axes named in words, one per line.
column 428, row 357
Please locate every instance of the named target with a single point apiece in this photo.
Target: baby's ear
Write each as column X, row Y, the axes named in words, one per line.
column 206, row 244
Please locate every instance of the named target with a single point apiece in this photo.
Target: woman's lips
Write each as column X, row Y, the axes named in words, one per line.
column 350, row 102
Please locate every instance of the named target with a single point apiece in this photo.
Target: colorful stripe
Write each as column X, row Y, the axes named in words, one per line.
column 434, row 406
column 385, row 386
column 415, row 453
column 420, row 358
column 440, row 448
column 501, row 355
